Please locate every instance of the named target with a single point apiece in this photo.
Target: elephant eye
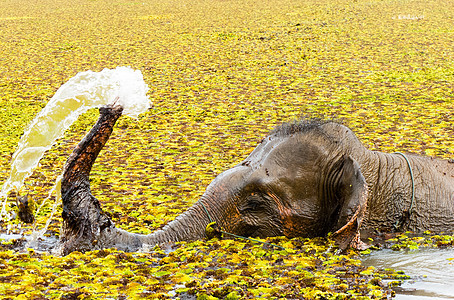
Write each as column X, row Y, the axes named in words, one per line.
column 254, row 205
column 254, row 202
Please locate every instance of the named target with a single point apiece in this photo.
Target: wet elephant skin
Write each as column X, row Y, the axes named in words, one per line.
column 307, row 178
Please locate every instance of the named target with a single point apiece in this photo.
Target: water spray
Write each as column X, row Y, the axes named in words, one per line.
column 122, row 86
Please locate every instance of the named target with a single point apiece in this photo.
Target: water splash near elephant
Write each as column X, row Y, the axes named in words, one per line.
column 84, row 91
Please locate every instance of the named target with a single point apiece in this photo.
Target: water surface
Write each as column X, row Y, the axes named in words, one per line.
column 431, row 271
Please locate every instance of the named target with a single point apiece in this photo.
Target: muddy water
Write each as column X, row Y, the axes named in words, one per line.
column 431, row 271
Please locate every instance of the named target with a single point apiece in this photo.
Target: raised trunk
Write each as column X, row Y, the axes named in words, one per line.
column 86, row 227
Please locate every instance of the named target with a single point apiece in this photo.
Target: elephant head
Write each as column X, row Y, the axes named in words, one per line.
column 299, row 181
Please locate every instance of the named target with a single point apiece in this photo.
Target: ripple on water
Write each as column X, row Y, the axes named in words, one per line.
column 431, row 271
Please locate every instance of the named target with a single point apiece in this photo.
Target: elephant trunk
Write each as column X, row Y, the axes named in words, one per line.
column 215, row 205
column 188, row 226
column 86, row 227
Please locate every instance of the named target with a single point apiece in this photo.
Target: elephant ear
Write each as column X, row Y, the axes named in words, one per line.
column 352, row 196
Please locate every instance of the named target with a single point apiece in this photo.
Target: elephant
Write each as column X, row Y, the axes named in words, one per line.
column 307, row 178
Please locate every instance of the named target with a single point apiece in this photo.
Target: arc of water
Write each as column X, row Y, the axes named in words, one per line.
column 84, row 91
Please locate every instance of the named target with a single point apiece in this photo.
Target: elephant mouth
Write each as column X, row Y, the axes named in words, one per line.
column 254, row 231
column 251, row 231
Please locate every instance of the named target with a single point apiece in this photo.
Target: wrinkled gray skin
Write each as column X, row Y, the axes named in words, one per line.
column 304, row 179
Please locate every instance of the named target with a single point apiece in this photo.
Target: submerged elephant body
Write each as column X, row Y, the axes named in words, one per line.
column 304, row 179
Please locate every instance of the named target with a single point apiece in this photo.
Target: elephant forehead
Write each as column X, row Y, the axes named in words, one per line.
column 228, row 179
column 283, row 154
column 264, row 150
column 289, row 168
